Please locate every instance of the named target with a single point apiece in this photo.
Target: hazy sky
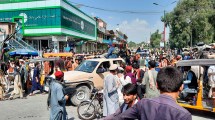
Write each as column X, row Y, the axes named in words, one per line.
column 136, row 26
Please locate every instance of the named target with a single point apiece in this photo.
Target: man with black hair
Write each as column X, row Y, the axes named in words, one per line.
column 36, row 80
column 150, row 81
column 139, row 74
column 129, row 92
column 164, row 107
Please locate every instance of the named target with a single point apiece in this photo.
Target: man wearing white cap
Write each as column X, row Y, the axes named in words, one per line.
column 111, row 98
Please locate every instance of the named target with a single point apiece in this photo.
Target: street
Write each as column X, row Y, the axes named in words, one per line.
column 34, row 108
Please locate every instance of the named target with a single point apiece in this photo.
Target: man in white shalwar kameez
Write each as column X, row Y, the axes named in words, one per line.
column 110, row 98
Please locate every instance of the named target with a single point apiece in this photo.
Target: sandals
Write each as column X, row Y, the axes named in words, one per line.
column 11, row 98
column 31, row 94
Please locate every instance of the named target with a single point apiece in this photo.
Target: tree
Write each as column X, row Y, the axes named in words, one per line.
column 132, row 44
column 155, row 39
column 191, row 19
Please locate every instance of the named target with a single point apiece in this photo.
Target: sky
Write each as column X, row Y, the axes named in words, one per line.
column 137, row 27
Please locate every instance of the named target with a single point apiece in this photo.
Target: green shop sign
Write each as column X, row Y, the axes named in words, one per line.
column 16, row 1
column 34, row 18
column 74, row 22
column 50, row 18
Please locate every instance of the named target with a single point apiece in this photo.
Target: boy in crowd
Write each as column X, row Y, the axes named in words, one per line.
column 130, row 98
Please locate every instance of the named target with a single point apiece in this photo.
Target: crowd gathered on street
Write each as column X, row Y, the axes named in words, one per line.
column 143, row 87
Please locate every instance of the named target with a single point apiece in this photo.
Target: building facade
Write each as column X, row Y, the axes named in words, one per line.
column 104, row 36
column 50, row 24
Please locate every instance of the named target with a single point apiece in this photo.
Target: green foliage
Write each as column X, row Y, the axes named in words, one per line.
column 132, row 44
column 155, row 39
column 191, row 19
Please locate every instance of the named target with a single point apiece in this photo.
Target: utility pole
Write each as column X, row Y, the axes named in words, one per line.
column 164, row 31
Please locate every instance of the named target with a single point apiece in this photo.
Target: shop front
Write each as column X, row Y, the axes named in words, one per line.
column 49, row 24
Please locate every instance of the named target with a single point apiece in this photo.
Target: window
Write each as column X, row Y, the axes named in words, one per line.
column 104, row 66
column 87, row 66
column 118, row 62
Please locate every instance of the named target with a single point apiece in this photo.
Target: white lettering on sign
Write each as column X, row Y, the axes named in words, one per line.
column 76, row 22
column 25, row 17
column 82, row 25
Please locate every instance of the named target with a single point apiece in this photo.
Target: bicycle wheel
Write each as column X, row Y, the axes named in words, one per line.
column 86, row 111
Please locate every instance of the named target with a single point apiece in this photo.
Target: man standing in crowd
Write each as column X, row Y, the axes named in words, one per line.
column 22, row 73
column 56, row 98
column 110, row 51
column 36, row 79
column 139, row 74
column 150, row 81
column 129, row 76
column 170, row 84
column 75, row 64
column 190, row 82
column 129, row 92
column 2, row 87
column 17, row 85
column 110, row 98
column 46, row 68
column 211, row 81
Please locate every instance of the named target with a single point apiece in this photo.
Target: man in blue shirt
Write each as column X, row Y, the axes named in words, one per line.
column 110, row 51
column 190, row 82
column 164, row 107
column 57, row 98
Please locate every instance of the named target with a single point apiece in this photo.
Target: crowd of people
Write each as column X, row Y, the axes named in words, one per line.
column 134, row 93
column 24, row 77
column 132, row 90
column 162, row 90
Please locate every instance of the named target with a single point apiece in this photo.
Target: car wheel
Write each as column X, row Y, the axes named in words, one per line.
column 82, row 93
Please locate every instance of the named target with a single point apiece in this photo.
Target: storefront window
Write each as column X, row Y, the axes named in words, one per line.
column 35, row 44
column 61, row 46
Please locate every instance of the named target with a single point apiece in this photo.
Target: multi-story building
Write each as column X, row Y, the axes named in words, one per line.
column 55, row 24
column 104, row 36
column 120, row 38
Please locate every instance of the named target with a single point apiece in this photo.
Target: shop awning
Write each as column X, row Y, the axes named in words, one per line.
column 24, row 52
column 106, row 41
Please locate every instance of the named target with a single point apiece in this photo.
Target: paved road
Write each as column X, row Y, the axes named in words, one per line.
column 34, row 108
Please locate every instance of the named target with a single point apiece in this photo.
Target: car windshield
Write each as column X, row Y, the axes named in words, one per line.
column 87, row 66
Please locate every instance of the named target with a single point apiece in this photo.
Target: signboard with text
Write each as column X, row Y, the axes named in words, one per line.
column 15, row 1
column 161, row 44
column 75, row 22
column 51, row 18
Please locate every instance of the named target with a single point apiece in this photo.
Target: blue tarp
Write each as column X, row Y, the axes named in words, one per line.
column 106, row 41
column 24, row 52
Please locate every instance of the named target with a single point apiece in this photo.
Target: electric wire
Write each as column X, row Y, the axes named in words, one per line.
column 117, row 11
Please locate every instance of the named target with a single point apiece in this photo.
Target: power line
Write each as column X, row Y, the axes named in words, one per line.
column 117, row 11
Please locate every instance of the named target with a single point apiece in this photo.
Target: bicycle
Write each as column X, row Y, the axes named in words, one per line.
column 91, row 109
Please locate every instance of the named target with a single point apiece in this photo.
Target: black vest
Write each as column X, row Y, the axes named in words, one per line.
column 193, row 83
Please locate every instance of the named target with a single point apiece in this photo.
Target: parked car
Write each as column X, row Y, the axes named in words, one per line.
column 89, row 74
